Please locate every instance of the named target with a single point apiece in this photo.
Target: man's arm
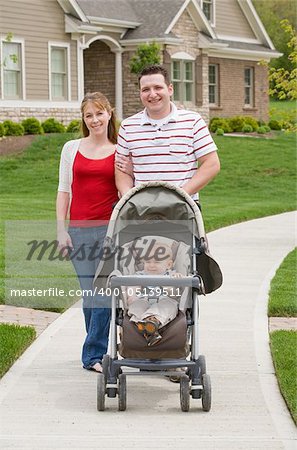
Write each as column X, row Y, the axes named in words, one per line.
column 124, row 182
column 209, row 166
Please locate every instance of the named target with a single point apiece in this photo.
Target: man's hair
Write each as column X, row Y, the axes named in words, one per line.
column 152, row 70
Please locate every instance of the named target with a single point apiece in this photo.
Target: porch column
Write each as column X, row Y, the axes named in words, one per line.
column 80, row 69
column 118, row 83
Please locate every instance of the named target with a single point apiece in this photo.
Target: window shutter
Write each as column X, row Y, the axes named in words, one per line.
column 199, row 81
column 167, row 62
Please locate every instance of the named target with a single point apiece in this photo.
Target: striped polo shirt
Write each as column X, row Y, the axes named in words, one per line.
column 165, row 150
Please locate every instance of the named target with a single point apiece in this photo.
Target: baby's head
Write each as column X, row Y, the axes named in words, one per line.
column 159, row 259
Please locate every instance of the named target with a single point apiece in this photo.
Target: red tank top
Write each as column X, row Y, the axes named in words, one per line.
column 93, row 189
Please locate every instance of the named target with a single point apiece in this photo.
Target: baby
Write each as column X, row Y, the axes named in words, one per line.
column 152, row 307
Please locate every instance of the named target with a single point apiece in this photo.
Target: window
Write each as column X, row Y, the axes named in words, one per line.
column 208, row 9
column 183, row 81
column 59, row 73
column 12, row 70
column 213, row 84
column 249, row 86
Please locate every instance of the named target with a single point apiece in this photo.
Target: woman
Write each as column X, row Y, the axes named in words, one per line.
column 87, row 193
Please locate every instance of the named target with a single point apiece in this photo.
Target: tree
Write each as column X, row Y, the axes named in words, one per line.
column 272, row 12
column 283, row 81
column 146, row 55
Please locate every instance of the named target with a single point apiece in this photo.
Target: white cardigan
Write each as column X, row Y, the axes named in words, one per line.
column 68, row 154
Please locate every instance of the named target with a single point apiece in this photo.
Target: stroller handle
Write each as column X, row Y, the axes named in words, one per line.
column 142, row 280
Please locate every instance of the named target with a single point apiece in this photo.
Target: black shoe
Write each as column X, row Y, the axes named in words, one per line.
column 153, row 339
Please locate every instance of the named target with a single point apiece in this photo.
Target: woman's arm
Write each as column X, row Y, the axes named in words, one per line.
column 62, row 205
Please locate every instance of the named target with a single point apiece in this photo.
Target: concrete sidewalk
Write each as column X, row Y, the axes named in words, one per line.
column 49, row 402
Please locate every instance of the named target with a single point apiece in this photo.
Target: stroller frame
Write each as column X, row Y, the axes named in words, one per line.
column 194, row 382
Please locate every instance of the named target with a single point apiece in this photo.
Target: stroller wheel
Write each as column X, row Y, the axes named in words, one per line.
column 184, row 391
column 122, row 392
column 206, row 393
column 101, row 387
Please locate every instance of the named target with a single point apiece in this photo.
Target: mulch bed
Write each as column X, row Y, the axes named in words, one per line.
column 15, row 144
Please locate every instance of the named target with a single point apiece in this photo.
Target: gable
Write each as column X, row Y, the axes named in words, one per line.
column 231, row 21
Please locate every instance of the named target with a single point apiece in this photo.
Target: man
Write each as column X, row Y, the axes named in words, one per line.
column 164, row 142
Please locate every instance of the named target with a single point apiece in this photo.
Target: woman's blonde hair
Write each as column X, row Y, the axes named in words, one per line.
column 103, row 104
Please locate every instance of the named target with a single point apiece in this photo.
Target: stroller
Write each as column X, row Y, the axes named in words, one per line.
column 149, row 212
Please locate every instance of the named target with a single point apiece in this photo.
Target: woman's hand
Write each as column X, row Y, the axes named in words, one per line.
column 64, row 242
column 124, row 164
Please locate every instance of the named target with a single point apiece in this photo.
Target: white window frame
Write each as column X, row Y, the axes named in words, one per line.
column 66, row 46
column 183, row 58
column 216, row 84
column 250, row 86
column 212, row 3
column 13, row 40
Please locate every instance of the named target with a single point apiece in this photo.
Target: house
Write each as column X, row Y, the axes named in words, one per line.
column 54, row 51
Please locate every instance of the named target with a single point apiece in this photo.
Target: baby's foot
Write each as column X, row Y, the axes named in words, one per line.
column 150, row 325
column 153, row 339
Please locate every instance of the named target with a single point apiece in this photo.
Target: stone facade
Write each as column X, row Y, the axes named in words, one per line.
column 131, row 101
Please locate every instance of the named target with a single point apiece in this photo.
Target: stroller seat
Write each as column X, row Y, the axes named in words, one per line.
column 174, row 335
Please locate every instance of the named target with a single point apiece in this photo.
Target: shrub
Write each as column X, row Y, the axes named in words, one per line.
column 12, row 128
column 286, row 125
column 247, row 128
column 252, row 122
column 1, row 130
column 216, row 123
column 220, row 132
column 261, row 130
column 267, row 128
column 51, row 125
column 32, row 126
column 73, row 126
column 275, row 124
column 237, row 123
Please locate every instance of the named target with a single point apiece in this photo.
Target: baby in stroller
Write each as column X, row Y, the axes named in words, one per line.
column 152, row 307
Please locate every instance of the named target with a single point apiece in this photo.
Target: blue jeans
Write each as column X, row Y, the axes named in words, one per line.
column 85, row 258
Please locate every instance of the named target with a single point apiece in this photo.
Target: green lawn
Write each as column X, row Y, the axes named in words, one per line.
column 257, row 179
column 284, row 352
column 283, row 110
column 283, row 288
column 283, row 303
column 14, row 340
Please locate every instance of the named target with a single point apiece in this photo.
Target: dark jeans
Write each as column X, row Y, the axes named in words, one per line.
column 95, row 307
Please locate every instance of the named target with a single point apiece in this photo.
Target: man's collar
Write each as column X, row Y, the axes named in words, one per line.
column 172, row 117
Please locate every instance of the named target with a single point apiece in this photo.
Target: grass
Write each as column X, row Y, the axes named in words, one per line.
column 14, row 341
column 257, row 179
column 29, row 184
column 283, row 288
column 283, row 110
column 282, row 303
column 283, row 347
